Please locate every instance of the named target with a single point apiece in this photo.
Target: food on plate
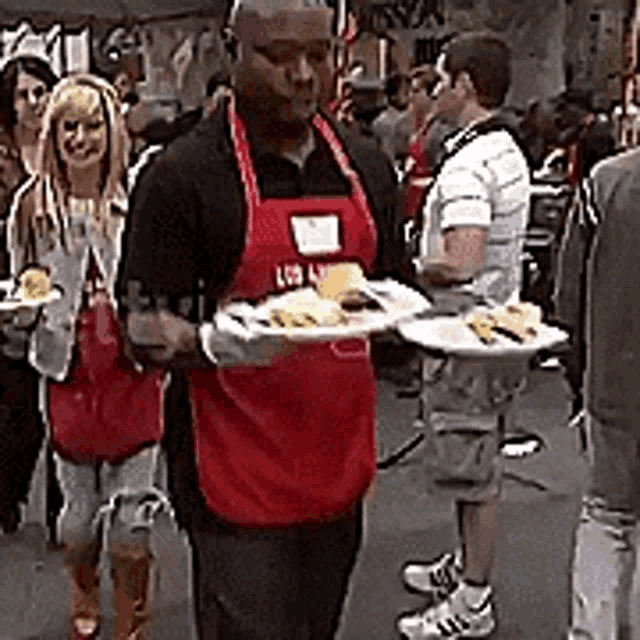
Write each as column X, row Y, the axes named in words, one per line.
column 343, row 282
column 483, row 325
column 34, row 283
column 305, row 309
column 520, row 322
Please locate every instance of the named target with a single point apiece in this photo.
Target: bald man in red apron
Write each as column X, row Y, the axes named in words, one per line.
column 261, row 198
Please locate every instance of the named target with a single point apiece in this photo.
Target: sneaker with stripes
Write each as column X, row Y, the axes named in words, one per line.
column 438, row 578
column 452, row 619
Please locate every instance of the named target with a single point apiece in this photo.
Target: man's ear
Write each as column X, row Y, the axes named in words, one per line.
column 465, row 84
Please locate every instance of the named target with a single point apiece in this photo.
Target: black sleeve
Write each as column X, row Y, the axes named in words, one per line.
column 570, row 284
column 387, row 205
column 385, row 197
column 160, row 245
column 384, row 194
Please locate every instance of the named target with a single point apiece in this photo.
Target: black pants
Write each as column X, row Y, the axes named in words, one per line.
column 21, row 435
column 281, row 584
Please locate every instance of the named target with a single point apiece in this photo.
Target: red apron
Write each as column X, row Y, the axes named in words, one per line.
column 293, row 442
column 106, row 410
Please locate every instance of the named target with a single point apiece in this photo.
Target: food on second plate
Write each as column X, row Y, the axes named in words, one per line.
column 343, row 282
column 34, row 283
column 305, row 309
column 520, row 322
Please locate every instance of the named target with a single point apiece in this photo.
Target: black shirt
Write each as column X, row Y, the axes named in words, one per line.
column 187, row 216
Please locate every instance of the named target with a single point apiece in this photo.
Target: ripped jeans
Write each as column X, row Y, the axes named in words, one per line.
column 605, row 559
column 122, row 497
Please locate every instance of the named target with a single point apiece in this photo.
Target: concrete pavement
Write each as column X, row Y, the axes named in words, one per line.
column 402, row 523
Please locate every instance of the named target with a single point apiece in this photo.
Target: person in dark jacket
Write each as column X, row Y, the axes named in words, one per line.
column 25, row 85
column 284, row 438
column 604, row 558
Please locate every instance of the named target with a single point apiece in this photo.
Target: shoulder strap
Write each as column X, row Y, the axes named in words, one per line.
column 481, row 129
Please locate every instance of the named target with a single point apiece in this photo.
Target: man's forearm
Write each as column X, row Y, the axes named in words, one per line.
column 151, row 346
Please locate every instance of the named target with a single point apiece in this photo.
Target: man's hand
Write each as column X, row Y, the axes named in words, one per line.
column 162, row 335
column 166, row 339
column 461, row 260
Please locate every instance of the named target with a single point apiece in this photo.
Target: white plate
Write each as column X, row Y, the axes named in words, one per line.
column 453, row 336
column 11, row 303
column 398, row 301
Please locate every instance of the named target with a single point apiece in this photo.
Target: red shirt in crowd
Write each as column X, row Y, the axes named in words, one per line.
column 420, row 171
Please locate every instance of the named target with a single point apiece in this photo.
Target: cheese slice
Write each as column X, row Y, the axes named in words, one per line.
column 483, row 325
column 342, row 280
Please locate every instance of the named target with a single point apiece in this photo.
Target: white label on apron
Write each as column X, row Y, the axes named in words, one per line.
column 316, row 235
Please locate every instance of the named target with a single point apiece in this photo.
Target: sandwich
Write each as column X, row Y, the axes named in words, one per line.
column 520, row 322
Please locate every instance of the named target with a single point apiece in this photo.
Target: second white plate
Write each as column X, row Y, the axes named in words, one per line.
column 453, row 336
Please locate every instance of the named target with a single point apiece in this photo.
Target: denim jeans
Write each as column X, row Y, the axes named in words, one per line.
column 88, row 489
column 604, row 559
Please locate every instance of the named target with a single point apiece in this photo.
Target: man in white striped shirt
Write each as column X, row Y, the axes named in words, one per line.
column 475, row 219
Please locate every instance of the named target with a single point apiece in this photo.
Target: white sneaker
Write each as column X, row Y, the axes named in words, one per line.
column 450, row 620
column 438, row 578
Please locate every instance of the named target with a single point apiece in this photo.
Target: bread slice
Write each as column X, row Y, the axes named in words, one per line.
column 519, row 321
column 531, row 316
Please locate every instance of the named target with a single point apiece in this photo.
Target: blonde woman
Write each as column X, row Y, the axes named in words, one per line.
column 104, row 418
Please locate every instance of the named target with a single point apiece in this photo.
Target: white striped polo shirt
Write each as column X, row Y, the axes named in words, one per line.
column 486, row 184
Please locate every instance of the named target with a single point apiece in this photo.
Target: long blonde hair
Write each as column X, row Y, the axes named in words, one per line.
column 52, row 188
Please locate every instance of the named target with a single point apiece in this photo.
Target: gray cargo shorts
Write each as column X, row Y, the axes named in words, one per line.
column 463, row 399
